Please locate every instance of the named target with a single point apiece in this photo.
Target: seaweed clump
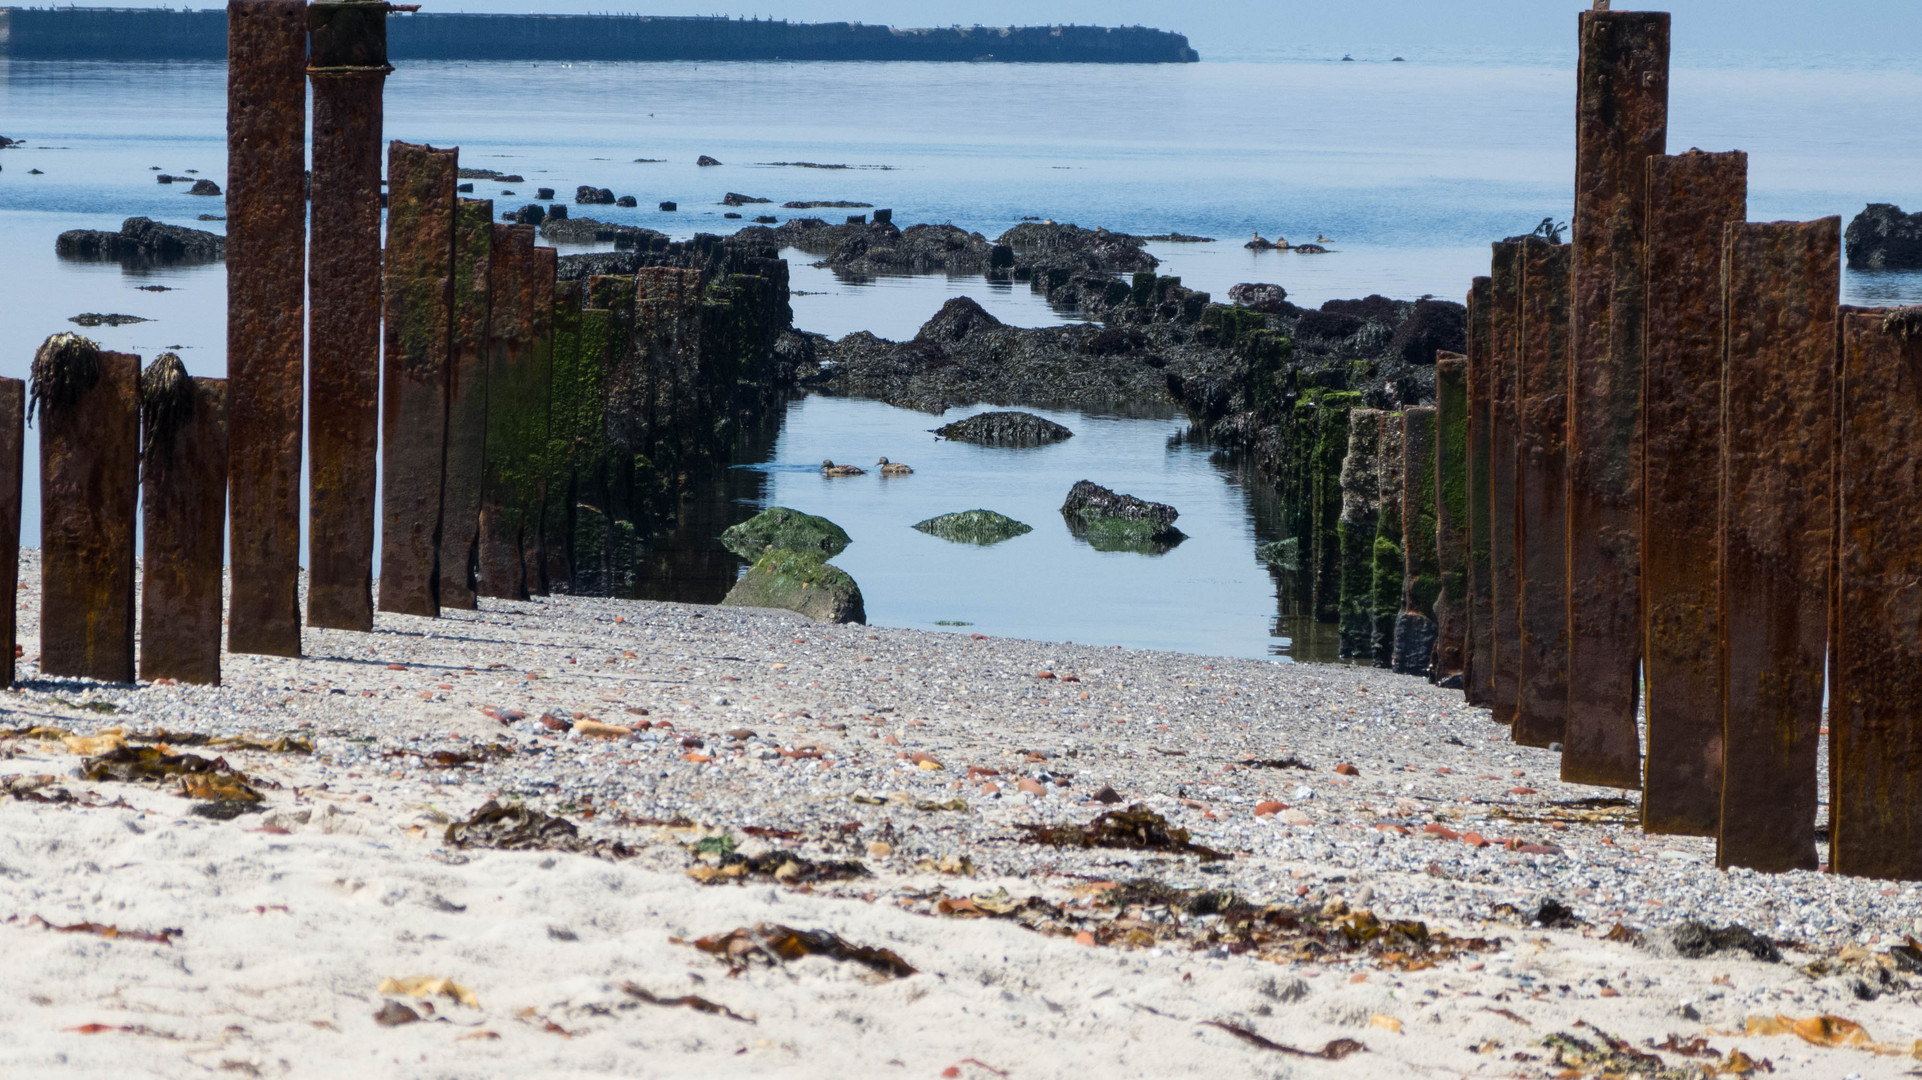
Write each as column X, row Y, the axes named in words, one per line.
column 1135, row 829
column 65, row 366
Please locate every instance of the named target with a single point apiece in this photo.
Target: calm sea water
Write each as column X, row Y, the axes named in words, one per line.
column 1410, row 168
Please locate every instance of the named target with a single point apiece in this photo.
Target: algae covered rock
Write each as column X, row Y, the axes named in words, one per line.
column 799, row 582
column 1107, row 521
column 783, row 529
column 1005, row 429
column 1285, row 554
column 982, row 527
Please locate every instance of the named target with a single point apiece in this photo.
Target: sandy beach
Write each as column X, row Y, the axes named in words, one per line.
column 724, row 767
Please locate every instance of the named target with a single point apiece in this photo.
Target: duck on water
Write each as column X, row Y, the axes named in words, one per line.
column 829, row 468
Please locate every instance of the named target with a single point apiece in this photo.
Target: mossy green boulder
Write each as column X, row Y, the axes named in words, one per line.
column 800, row 582
column 982, row 527
column 1284, row 554
column 783, row 529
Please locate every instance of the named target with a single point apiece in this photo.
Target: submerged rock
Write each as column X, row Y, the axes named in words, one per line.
column 94, row 318
column 1005, row 429
column 799, row 582
column 1882, row 237
column 531, row 214
column 705, row 161
column 589, row 195
column 782, row 529
column 982, row 527
column 142, row 241
column 1108, row 521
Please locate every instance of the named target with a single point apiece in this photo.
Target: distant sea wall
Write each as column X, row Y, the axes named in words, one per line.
column 71, row 33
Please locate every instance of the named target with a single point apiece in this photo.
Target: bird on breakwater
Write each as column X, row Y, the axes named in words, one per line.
column 829, row 468
column 893, row 468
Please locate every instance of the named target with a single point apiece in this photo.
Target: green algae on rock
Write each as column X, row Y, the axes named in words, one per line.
column 1107, row 521
column 782, row 529
column 982, row 527
column 800, row 582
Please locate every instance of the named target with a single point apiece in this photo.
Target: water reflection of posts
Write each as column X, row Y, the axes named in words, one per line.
column 1504, row 356
column 466, row 404
column 13, row 411
column 1621, row 119
column 1451, row 513
column 1776, row 519
column 266, row 284
column 1692, row 197
column 1875, row 745
column 1478, row 661
column 419, row 293
column 1541, row 494
column 89, row 494
column 184, row 512
column 347, row 62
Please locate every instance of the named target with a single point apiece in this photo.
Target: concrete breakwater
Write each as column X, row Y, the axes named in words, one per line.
column 76, row 33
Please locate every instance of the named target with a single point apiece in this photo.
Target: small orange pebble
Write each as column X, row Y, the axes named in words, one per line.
column 427, row 695
column 1084, row 938
column 695, row 758
column 1044, row 675
column 1345, row 769
column 1070, row 678
column 627, row 655
column 1474, row 839
column 1522, row 791
column 979, row 637
column 620, row 618
column 1385, row 827
column 396, row 667
column 1443, row 771
column 444, row 686
column 1443, row 831
column 1358, row 977
column 1263, row 809
column 1609, row 991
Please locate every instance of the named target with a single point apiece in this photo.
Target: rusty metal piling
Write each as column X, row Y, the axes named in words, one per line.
column 466, row 404
column 1692, row 198
column 13, row 411
column 1478, row 665
column 1541, row 497
column 419, row 294
column 1504, row 353
column 1621, row 116
column 1777, row 516
column 183, row 487
column 89, row 415
column 1451, row 512
column 266, row 284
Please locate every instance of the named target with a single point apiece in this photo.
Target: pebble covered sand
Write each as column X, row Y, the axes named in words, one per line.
column 1332, row 791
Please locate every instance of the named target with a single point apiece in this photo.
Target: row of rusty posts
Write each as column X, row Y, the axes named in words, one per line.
column 1673, row 489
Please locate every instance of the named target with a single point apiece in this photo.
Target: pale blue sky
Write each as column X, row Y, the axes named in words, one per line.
column 1241, row 26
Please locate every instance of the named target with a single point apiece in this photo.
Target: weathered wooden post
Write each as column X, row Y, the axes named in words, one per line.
column 466, row 404
column 419, row 327
column 1621, row 120
column 13, row 412
column 1360, row 507
column 1875, row 745
column 1541, row 497
column 266, row 284
column 347, row 62
column 1692, row 198
column 1777, row 517
column 1478, row 669
column 516, row 435
column 565, row 438
column 1415, row 627
column 1504, row 351
column 183, row 488
column 88, row 404
column 1387, row 562
column 1451, row 513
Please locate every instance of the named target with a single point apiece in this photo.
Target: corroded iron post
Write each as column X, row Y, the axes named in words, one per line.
column 537, row 420
column 1415, row 626
column 466, row 404
column 1875, row 745
column 1692, row 198
column 347, row 62
column 1451, row 512
column 1621, row 120
column 13, row 411
column 1387, row 562
column 1777, row 513
column 266, row 283
column 1478, row 669
column 1541, row 497
column 88, row 405
column 1504, row 351
column 183, row 488
column 516, row 411
column 604, row 554
column 419, row 276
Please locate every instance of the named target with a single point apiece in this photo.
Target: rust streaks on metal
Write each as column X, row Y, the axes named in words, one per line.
column 466, row 404
column 1451, row 512
column 1541, row 495
column 1478, row 668
column 1777, row 516
column 1875, row 745
column 13, row 411
column 89, row 494
column 1692, row 197
column 266, row 283
column 418, row 332
column 1621, row 121
column 184, row 511
column 510, row 454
